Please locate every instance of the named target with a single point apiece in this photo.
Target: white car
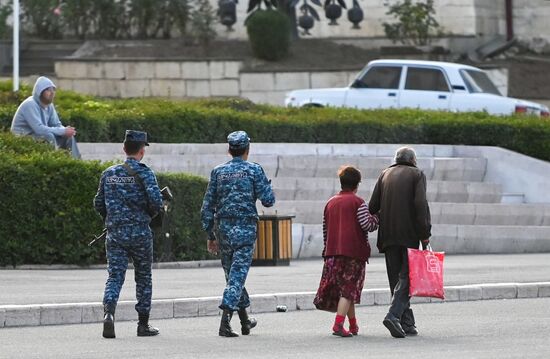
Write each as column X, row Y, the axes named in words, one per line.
column 428, row 85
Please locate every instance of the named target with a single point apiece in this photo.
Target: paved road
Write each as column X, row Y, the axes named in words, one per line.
column 86, row 285
column 501, row 329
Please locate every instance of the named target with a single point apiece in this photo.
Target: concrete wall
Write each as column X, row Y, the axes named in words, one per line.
column 531, row 23
column 518, row 174
column 482, row 18
column 173, row 79
column 490, row 18
column 456, row 16
column 181, row 79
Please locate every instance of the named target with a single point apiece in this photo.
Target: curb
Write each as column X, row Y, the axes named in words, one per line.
column 156, row 265
column 76, row 313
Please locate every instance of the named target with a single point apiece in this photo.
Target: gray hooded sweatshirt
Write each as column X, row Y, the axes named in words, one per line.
column 33, row 119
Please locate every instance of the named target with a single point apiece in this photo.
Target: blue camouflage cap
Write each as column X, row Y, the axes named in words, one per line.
column 238, row 139
column 136, row 136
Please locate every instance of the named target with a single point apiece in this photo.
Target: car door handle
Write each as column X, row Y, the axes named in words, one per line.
column 392, row 94
column 442, row 97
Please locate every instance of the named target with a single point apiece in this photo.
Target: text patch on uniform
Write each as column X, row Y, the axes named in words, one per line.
column 120, row 180
column 231, row 176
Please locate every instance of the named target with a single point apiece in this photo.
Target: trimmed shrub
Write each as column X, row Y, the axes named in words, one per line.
column 186, row 240
column 269, row 34
column 209, row 121
column 47, row 214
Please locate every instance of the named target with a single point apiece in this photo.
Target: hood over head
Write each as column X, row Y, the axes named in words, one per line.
column 40, row 85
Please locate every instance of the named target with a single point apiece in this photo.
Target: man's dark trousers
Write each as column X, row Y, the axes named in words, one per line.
column 397, row 267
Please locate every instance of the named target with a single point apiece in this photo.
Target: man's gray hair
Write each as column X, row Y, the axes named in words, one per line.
column 405, row 155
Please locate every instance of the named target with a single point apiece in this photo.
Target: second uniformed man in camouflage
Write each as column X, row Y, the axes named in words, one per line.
column 127, row 198
column 230, row 199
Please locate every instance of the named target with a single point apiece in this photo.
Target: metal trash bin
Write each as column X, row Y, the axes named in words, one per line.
column 273, row 241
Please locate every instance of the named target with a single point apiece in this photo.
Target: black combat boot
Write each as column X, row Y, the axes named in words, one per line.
column 144, row 329
column 225, row 326
column 109, row 320
column 247, row 322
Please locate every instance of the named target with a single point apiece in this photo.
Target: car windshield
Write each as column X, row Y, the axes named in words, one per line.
column 478, row 82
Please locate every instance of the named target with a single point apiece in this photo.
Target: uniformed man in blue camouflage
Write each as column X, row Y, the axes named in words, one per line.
column 127, row 198
column 230, row 200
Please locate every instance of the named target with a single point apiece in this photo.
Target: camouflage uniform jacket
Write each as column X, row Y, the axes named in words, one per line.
column 233, row 190
column 122, row 200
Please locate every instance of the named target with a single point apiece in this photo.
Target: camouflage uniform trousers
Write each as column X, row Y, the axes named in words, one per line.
column 136, row 242
column 237, row 238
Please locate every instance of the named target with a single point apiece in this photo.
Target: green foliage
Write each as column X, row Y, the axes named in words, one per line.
column 5, row 12
column 416, row 24
column 187, row 241
column 105, row 19
column 203, row 19
column 210, row 120
column 40, row 20
column 47, row 214
column 46, row 211
column 269, row 33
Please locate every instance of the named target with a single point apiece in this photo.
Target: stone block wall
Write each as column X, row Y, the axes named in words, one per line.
column 184, row 79
column 181, row 79
column 172, row 79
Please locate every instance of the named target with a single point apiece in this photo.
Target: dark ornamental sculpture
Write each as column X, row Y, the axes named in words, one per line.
column 355, row 15
column 306, row 21
column 228, row 13
column 333, row 10
column 309, row 15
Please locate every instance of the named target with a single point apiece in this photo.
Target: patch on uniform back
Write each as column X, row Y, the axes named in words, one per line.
column 231, row 176
column 120, row 180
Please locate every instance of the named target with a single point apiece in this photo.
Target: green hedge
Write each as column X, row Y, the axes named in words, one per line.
column 209, row 121
column 47, row 214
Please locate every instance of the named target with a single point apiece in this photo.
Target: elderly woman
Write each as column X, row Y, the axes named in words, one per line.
column 346, row 223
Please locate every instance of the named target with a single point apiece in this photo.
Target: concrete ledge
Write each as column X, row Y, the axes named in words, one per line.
column 73, row 313
column 185, row 308
column 21, row 315
column 60, row 314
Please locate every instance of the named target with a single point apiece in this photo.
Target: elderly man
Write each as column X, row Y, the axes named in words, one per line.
column 399, row 197
column 230, row 201
column 36, row 116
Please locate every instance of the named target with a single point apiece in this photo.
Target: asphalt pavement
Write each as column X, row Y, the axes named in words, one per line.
column 503, row 329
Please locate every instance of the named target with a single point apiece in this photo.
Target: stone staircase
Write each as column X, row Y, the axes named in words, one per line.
column 469, row 200
column 37, row 57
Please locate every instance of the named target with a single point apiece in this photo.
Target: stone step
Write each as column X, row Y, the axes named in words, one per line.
column 307, row 239
column 442, row 169
column 322, row 149
column 321, row 189
column 47, row 54
column 494, row 214
column 509, row 197
column 52, row 45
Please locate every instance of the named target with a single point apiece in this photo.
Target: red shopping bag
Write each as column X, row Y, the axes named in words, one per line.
column 426, row 273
